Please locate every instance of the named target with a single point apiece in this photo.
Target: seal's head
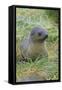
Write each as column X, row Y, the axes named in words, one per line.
column 38, row 34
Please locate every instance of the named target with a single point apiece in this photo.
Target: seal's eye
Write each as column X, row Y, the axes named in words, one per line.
column 39, row 33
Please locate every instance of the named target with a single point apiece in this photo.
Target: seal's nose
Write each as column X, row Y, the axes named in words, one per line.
column 46, row 35
column 43, row 34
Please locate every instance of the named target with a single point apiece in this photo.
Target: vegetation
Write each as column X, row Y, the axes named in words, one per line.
column 26, row 19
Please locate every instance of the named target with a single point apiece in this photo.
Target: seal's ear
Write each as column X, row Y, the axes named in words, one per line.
column 32, row 33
